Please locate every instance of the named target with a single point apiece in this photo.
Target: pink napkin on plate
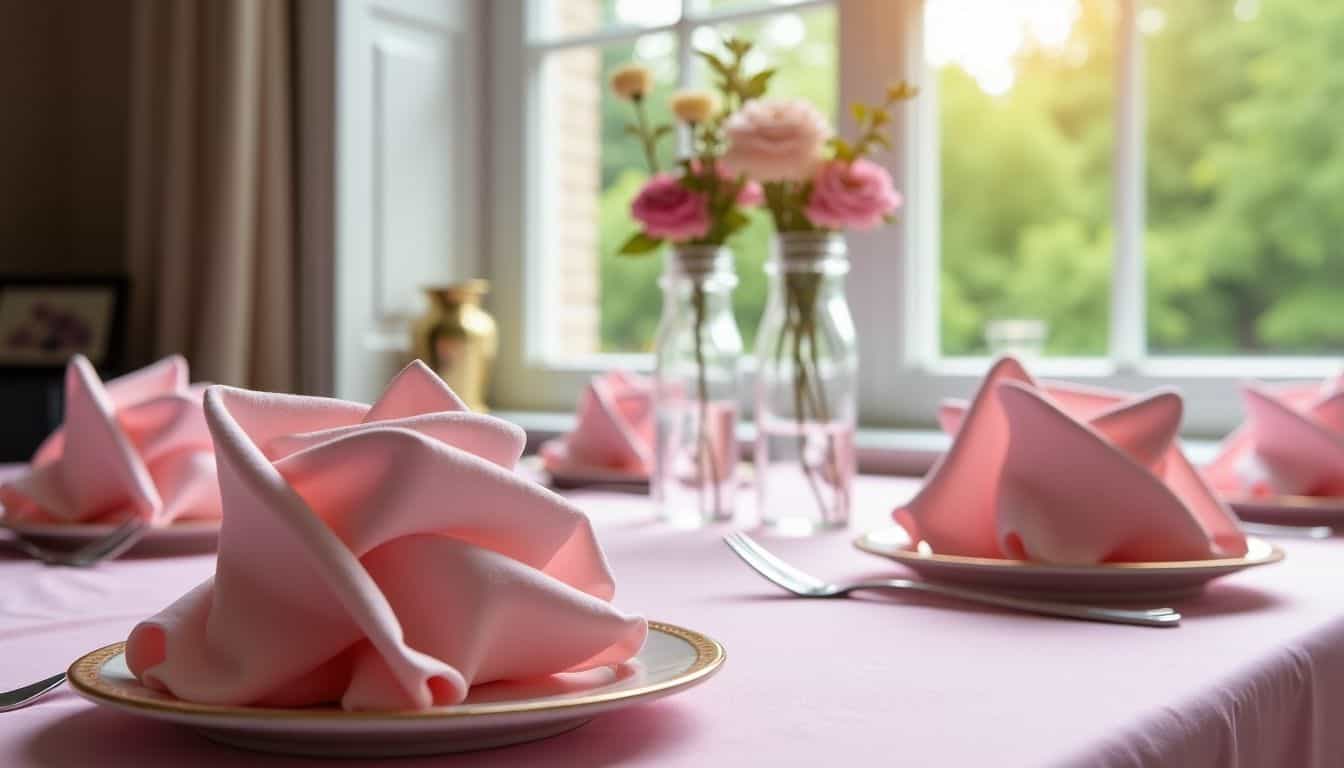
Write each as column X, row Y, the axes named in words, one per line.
column 383, row 557
column 1292, row 443
column 1069, row 475
column 138, row 444
column 614, row 432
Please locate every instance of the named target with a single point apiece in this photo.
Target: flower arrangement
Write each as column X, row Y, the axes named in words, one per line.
column 813, row 182
column 699, row 203
column 702, row 202
column 783, row 144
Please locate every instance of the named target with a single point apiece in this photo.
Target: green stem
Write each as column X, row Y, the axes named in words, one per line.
column 809, row 390
column 801, row 388
column 708, row 459
column 821, row 407
column 645, row 137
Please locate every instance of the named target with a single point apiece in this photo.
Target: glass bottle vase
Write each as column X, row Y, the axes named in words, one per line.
column 806, row 387
column 696, row 387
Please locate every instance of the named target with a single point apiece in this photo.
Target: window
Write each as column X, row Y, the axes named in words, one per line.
column 1025, row 120
column 1153, row 186
column 1245, row 177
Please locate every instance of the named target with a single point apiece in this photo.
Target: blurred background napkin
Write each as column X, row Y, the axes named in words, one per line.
column 614, row 430
column 1292, row 443
column 138, row 444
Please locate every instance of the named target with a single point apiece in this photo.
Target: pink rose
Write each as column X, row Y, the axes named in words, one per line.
column 775, row 140
column 669, row 210
column 853, row 195
column 751, row 195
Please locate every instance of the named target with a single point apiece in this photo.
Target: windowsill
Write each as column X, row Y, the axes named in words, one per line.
column 1081, row 368
column 880, row 451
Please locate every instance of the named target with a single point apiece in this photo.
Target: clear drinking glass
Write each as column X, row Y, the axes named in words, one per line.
column 806, row 387
column 696, row 387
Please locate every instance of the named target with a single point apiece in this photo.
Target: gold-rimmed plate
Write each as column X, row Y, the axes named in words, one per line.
column 183, row 537
column 1290, row 510
column 82, row 533
column 672, row 660
column 584, row 477
column 1118, row 582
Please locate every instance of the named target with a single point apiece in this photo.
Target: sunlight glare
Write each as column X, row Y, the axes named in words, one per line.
column 984, row 37
column 785, row 31
column 1152, row 21
column 648, row 13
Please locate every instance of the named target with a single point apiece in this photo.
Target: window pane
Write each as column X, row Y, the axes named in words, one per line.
column 802, row 46
column 712, row 6
column 1245, row 176
column 1024, row 93
column 552, row 19
column 590, row 171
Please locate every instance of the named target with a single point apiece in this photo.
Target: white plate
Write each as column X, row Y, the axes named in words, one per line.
column 494, row 715
column 584, row 477
column 1105, row 582
column 1291, row 510
column 78, row 533
column 184, row 538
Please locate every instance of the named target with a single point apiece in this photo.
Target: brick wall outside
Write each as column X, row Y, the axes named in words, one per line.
column 573, row 114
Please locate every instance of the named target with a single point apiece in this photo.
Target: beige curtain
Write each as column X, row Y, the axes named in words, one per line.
column 212, row 229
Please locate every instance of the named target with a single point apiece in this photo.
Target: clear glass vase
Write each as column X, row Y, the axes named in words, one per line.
column 806, row 387
column 696, row 387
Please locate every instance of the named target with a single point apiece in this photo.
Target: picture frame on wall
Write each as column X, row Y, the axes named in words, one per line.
column 46, row 320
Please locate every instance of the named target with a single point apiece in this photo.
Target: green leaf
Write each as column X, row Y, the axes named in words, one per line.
column 714, row 62
column 882, row 140
column 860, row 111
column 901, row 91
column 759, row 82
column 843, row 151
column 639, row 244
column 734, row 220
column 662, row 131
column 631, row 129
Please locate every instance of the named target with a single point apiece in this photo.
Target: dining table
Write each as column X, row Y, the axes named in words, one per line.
column 1253, row 676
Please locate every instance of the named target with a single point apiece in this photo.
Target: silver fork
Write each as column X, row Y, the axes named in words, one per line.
column 115, row 543
column 805, row 585
column 22, row 697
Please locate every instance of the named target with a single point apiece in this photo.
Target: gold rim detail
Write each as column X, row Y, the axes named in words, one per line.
column 1273, row 554
column 85, row 675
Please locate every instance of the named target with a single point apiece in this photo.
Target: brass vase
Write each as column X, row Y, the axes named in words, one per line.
column 458, row 339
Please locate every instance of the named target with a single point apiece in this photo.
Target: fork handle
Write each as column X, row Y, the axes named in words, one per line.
column 1158, row 617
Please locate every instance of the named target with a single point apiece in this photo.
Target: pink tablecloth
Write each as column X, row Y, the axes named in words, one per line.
column 1254, row 677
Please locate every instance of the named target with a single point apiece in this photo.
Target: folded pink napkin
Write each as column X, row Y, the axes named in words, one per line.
column 1067, row 475
column 138, row 444
column 1292, row 443
column 615, row 429
column 385, row 557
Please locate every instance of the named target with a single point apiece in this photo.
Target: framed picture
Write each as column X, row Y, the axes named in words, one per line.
column 46, row 320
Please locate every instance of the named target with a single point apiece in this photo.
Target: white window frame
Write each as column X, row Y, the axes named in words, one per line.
column 893, row 285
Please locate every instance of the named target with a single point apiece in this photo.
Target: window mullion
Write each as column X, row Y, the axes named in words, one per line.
column 685, row 71
column 880, row 41
column 1128, row 310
